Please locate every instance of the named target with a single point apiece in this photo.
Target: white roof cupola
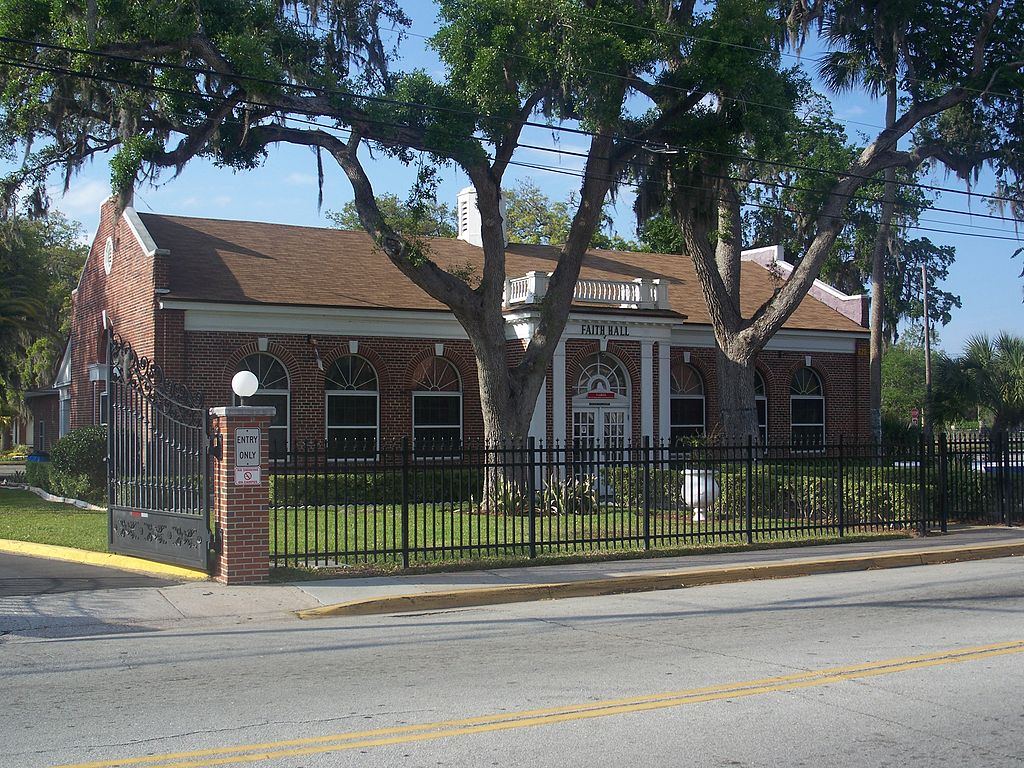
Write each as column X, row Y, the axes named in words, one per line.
column 470, row 224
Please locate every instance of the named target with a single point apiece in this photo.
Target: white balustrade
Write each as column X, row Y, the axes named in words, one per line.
column 640, row 293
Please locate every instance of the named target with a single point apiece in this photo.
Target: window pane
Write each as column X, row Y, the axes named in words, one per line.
column 355, row 443
column 810, row 411
column 280, row 402
column 688, row 411
column 352, row 411
column 436, row 410
column 278, row 437
column 437, row 441
column 808, row 436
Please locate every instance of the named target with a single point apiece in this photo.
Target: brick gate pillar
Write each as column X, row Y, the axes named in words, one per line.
column 240, row 501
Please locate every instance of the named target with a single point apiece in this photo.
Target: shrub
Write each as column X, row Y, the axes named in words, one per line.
column 78, row 467
column 570, row 496
column 766, row 494
column 14, row 453
column 37, row 474
column 375, row 487
column 509, row 497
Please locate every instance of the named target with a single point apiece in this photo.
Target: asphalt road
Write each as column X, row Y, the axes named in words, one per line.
column 908, row 667
column 21, row 575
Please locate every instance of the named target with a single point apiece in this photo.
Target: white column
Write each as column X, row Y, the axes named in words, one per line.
column 538, row 424
column 664, row 390
column 558, row 393
column 647, row 389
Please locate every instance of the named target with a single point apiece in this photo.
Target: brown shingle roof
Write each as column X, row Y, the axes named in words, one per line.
column 252, row 262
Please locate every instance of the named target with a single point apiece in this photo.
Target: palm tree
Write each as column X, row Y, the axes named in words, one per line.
column 987, row 379
column 870, row 41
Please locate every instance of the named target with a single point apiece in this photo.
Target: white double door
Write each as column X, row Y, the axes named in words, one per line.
column 599, row 431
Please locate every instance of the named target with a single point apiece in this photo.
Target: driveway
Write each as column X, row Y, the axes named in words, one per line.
column 23, row 575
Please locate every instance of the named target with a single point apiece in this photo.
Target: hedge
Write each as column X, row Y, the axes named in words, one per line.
column 424, row 485
column 77, row 467
column 882, row 497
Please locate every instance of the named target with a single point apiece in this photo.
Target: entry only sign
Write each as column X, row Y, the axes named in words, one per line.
column 247, row 456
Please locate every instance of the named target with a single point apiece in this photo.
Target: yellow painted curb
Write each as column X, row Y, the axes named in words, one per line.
column 520, row 593
column 106, row 559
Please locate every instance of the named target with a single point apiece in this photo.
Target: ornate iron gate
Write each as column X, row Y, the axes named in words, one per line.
column 157, row 459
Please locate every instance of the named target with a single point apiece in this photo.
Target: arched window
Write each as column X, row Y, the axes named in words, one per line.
column 807, row 409
column 687, row 416
column 436, row 407
column 761, row 404
column 600, row 408
column 272, row 390
column 602, row 374
column 352, row 395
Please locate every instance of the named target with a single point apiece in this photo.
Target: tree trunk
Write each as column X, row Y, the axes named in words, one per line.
column 736, row 404
column 882, row 243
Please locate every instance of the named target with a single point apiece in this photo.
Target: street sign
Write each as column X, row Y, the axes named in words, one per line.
column 247, row 447
column 247, row 455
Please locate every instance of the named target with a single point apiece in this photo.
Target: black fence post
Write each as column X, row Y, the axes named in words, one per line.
column 841, row 490
column 922, row 455
column 646, row 478
column 749, row 467
column 405, row 502
column 943, row 483
column 531, row 485
column 1003, row 440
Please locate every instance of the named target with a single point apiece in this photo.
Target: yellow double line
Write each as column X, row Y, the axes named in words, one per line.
column 251, row 753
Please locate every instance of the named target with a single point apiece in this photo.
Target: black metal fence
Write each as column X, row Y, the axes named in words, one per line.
column 414, row 504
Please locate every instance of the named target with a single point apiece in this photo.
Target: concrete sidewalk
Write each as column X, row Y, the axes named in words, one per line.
column 209, row 603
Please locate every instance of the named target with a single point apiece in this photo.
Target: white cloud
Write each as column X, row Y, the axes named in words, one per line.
column 82, row 199
column 222, row 200
column 190, row 202
column 854, row 110
column 301, row 179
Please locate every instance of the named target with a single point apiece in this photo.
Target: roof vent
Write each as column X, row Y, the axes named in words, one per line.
column 470, row 225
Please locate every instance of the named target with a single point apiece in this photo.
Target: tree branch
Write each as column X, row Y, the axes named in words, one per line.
column 405, row 253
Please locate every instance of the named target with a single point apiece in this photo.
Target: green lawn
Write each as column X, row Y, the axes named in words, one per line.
column 455, row 537
column 26, row 517
column 356, row 535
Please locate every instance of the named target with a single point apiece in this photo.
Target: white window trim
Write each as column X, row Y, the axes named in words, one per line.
column 824, row 413
column 758, row 399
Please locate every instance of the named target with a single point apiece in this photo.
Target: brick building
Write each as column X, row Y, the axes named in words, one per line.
column 347, row 348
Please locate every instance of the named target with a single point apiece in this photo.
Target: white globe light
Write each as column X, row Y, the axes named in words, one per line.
column 245, row 383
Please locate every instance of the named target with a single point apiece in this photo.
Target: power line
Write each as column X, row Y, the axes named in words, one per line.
column 190, row 94
column 798, row 57
column 465, row 113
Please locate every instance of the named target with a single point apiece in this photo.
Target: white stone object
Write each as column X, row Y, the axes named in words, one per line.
column 699, row 491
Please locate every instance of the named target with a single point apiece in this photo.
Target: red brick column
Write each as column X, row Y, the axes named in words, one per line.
column 241, row 513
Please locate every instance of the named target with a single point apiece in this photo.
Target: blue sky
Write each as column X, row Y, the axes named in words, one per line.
column 284, row 190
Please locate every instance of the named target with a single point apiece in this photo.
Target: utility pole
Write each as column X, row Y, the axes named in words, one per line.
column 927, row 356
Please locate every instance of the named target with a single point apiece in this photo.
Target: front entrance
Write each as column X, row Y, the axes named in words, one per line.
column 600, row 414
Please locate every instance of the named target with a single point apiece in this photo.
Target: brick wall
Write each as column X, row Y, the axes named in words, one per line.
column 212, row 358
column 127, row 295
